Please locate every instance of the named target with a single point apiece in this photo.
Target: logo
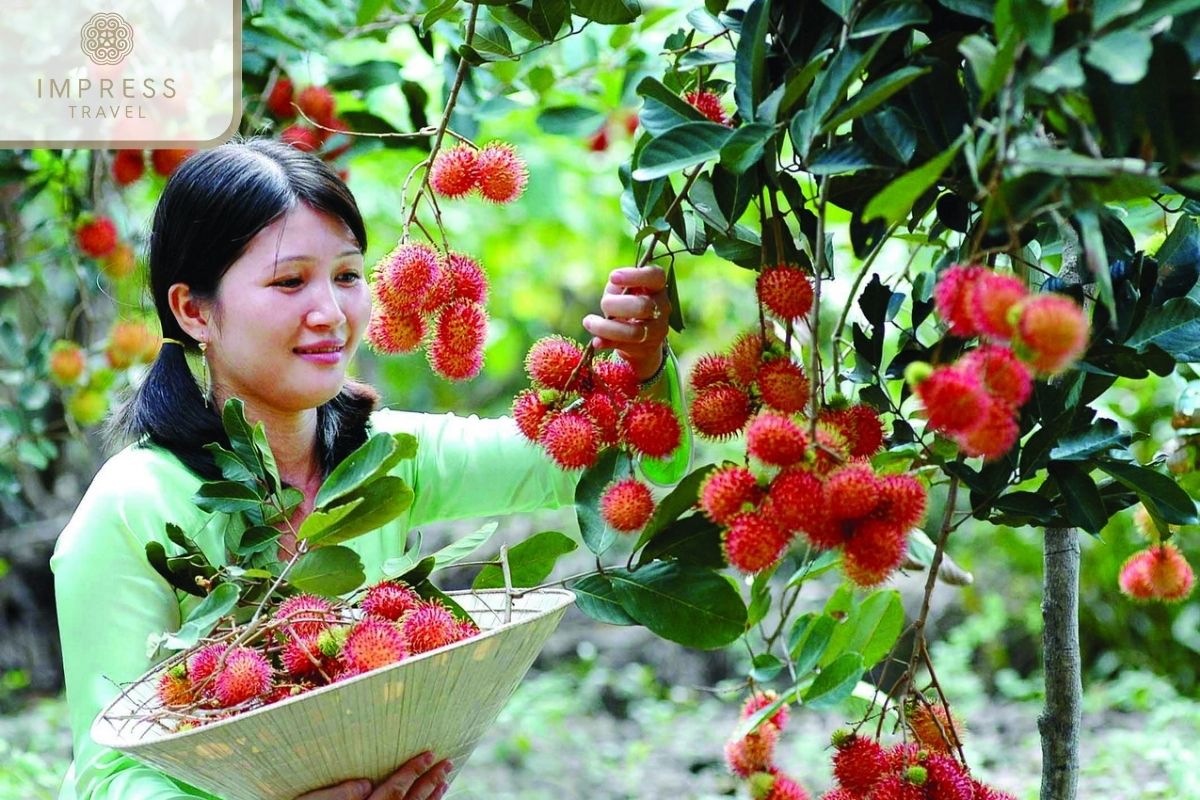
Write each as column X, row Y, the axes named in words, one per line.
column 106, row 38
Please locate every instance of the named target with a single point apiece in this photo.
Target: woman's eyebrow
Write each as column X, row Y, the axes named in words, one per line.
column 342, row 254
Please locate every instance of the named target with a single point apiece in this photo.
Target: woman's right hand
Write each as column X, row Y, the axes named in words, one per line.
column 419, row 778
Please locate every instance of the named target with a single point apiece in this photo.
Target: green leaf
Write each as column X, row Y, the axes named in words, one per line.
column 1082, row 504
column 1096, row 439
column 695, row 59
column 156, row 554
column 570, row 120
column 607, row 12
column 681, row 147
column 418, row 573
column 872, row 95
column 896, row 200
column 529, row 562
column 876, row 625
column 1175, row 327
column 595, row 596
column 595, row 531
column 890, row 16
column 230, row 465
column 750, row 62
column 765, row 668
column 205, row 616
column 1160, row 493
column 1064, row 72
column 548, row 16
column 663, row 109
column 692, row 540
column 1124, row 54
column 461, row 548
column 705, row 22
column 515, row 18
column 835, row 682
column 677, row 502
column 364, row 75
column 439, row 11
column 839, row 7
column 491, row 40
column 840, row 159
column 226, row 497
column 257, row 538
column 328, row 571
column 745, row 147
column 383, row 499
column 241, row 437
column 374, row 457
column 688, row 605
column 808, row 639
column 319, row 521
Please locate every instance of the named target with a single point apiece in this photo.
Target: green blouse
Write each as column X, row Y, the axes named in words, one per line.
column 110, row 600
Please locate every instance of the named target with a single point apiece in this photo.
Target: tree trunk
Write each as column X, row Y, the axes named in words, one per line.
column 1060, row 720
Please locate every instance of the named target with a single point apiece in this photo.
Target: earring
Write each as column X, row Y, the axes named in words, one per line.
column 205, row 384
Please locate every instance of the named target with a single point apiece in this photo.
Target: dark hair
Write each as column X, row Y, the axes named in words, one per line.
column 214, row 204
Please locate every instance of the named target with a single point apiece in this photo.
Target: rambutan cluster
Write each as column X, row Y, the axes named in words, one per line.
column 1158, row 573
column 866, row 770
column 311, row 643
column 495, row 171
column 128, row 166
column 424, row 297
column 320, row 130
column 752, row 757
column 731, row 387
column 977, row 399
column 576, row 408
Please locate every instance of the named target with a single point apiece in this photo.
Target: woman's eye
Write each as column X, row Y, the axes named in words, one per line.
column 350, row 277
column 287, row 283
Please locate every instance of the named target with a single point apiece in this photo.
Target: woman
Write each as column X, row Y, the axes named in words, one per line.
column 256, row 260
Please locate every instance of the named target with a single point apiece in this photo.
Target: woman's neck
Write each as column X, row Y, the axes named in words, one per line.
column 292, row 437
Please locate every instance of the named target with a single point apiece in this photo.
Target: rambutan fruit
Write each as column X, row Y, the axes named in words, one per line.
column 302, row 616
column 428, row 627
column 708, row 104
column 902, row 500
column 874, row 550
column 403, row 276
column 783, row 787
column 930, row 724
column 616, row 377
column 946, row 779
column 1157, row 573
column 753, row 542
column 831, row 449
column 760, row 700
column 1052, row 332
column 994, row 435
column 720, row 411
column 954, row 297
column 901, row 756
column 796, row 501
column 120, row 263
column 858, row 763
column 279, row 101
column 840, row 793
column 897, row 787
column 651, row 428
column 551, row 360
column 453, row 364
column 785, row 291
column 501, row 173
column 954, row 400
column 395, row 332
column 66, row 363
column 776, row 440
column 317, row 103
column 571, row 439
column 711, row 369
column 985, row 792
column 783, row 385
column 246, row 675
column 852, row 491
column 165, row 162
column 728, row 491
column 604, row 411
column 128, row 166
column 97, row 237
column 991, row 302
column 754, row 752
column 861, row 427
column 389, row 600
column 301, row 137
column 454, row 172
column 528, row 411
column 441, row 291
column 469, row 281
column 302, row 658
column 627, row 505
column 461, row 327
column 745, row 357
column 202, row 663
column 174, row 689
column 372, row 643
column 1004, row 376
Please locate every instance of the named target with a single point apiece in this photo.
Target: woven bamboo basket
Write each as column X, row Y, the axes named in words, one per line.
column 363, row 727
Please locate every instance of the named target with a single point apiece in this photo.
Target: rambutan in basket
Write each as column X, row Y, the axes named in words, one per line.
column 442, row 701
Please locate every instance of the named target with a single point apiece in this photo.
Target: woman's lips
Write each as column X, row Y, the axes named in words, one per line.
column 320, row 355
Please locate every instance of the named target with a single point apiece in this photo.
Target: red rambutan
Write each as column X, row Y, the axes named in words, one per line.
column 128, row 166
column 753, row 753
column 97, row 237
column 430, row 626
column 301, row 137
column 571, row 439
column 174, row 689
column 955, row 301
column 317, row 103
column 955, row 400
column 627, row 505
column 720, row 411
column 528, row 412
column 897, row 787
column 710, row 369
column 1004, row 376
column 389, row 600
column 745, row 357
column 501, row 173
column 604, row 411
column 930, row 726
column 783, row 385
column 395, row 332
column 785, row 291
column 727, row 491
column 454, row 172
column 1052, row 332
column 551, row 360
column 616, row 377
column 165, row 162
column 874, row 551
column 403, row 276
column 858, row 763
column 202, row 663
column 994, row 435
column 852, row 491
column 708, row 104
column 453, row 364
column 373, row 643
column 1157, row 573
column 651, row 428
column 785, row 788
column 776, row 440
column 760, row 700
column 279, row 101
column 461, row 327
column 796, row 501
column 469, row 281
column 752, row 543
column 303, row 615
column 946, row 779
column 993, row 297
column 861, row 427
column 246, row 675
column 902, row 500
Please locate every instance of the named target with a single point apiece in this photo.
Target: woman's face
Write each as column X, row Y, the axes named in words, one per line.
column 289, row 314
